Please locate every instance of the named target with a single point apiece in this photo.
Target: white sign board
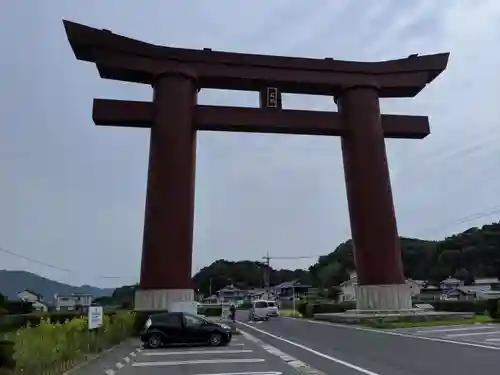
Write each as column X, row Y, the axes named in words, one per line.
column 95, row 317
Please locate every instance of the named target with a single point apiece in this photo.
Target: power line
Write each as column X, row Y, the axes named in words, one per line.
column 465, row 219
column 296, row 257
column 49, row 265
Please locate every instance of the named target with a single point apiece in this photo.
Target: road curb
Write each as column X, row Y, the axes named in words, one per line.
column 90, row 359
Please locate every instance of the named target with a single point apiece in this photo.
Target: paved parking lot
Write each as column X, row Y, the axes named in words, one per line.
column 240, row 357
column 484, row 334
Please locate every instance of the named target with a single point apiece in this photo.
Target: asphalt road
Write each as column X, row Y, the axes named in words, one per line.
column 286, row 346
column 336, row 349
column 240, row 357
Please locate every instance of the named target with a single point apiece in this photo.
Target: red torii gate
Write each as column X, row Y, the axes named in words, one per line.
column 177, row 74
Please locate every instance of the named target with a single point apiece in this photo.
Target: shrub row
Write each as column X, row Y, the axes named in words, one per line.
column 16, row 307
column 9, row 323
column 492, row 307
column 210, row 310
column 477, row 307
column 308, row 309
column 53, row 347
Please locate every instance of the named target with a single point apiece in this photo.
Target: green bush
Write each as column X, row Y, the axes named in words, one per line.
column 7, row 354
column 210, row 310
column 493, row 308
column 477, row 307
column 54, row 347
column 310, row 309
column 18, row 307
column 10, row 323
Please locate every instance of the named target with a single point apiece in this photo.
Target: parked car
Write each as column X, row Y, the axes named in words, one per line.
column 272, row 308
column 263, row 310
column 183, row 328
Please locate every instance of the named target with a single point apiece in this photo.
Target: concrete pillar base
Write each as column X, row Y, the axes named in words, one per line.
column 160, row 299
column 383, row 297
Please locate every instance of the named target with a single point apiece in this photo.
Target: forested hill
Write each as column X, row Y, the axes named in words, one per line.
column 471, row 254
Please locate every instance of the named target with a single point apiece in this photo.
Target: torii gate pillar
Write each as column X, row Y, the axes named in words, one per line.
column 168, row 225
column 381, row 281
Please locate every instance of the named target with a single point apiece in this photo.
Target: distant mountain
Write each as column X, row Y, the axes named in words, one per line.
column 13, row 282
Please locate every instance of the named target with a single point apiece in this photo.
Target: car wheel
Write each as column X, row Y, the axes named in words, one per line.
column 154, row 342
column 215, row 339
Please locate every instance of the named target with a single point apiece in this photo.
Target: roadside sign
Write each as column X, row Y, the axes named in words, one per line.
column 95, row 317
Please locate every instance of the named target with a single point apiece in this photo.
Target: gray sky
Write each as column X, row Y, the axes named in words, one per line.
column 73, row 195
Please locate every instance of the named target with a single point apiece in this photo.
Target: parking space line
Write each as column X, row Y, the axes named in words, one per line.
column 198, row 362
column 195, row 352
column 473, row 334
column 472, row 328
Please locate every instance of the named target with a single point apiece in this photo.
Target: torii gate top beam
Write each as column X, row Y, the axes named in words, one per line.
column 126, row 59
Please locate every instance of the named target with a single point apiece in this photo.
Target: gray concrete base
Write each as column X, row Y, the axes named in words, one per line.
column 378, row 316
column 383, row 297
column 160, row 299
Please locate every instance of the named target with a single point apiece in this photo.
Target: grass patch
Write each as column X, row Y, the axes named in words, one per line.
column 476, row 319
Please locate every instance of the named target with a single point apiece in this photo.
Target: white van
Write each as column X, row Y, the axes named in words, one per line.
column 263, row 310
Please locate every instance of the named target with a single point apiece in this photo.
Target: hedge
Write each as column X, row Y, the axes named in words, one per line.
column 9, row 323
column 477, row 307
column 308, row 309
column 52, row 348
column 493, row 308
column 210, row 310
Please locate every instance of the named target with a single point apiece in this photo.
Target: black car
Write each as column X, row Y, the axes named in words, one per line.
column 183, row 328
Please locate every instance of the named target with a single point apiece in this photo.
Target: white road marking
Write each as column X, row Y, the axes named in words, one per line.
column 187, row 352
column 399, row 334
column 119, row 365
column 109, row 372
column 293, row 362
column 492, row 339
column 236, row 344
column 246, row 373
column 473, row 334
column 132, row 354
column 126, row 359
column 319, row 354
column 471, row 328
column 198, row 362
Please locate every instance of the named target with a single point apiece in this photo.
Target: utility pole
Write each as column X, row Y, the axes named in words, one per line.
column 267, row 273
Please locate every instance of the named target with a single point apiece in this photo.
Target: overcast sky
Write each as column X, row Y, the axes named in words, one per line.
column 72, row 195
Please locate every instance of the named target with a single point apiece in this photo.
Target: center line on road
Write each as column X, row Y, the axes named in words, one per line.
column 473, row 334
column 187, row 352
column 319, row 354
column 454, row 329
column 198, row 362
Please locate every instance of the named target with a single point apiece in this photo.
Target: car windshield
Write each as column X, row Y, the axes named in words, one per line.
column 193, row 320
